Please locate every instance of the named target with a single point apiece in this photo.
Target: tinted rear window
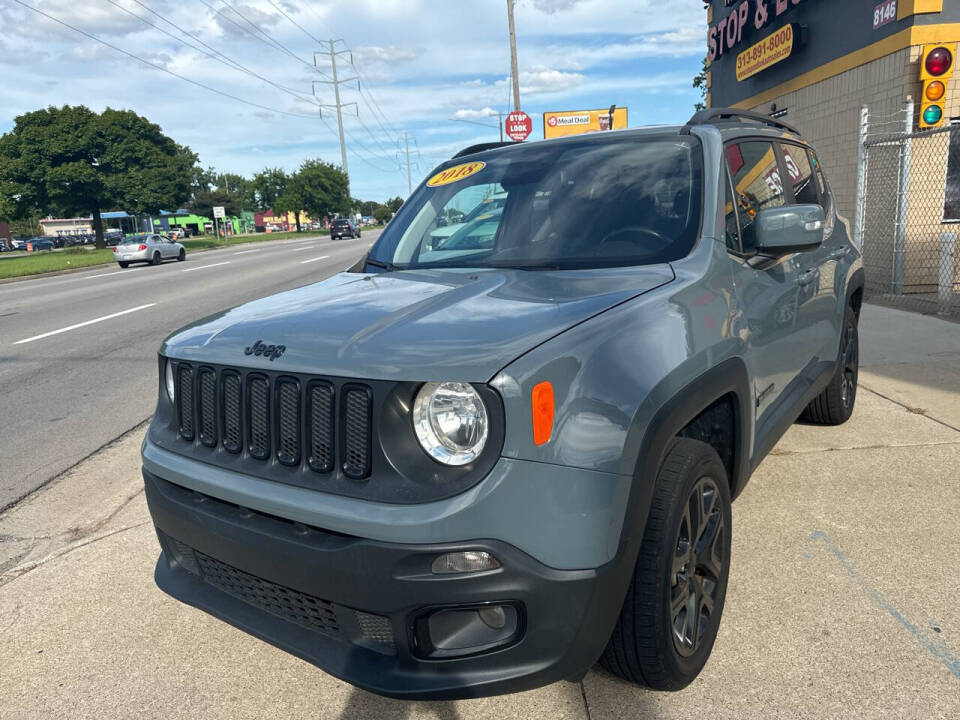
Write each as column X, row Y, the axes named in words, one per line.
column 580, row 204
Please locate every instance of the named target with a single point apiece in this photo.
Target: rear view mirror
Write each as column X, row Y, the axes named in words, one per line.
column 789, row 229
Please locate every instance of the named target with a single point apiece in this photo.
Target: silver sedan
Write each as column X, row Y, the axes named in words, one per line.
column 150, row 248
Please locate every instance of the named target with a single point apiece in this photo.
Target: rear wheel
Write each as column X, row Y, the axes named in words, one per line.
column 672, row 610
column 182, row 256
column 124, row 265
column 834, row 406
column 156, row 258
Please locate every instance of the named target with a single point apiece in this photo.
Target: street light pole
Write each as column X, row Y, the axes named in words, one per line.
column 513, row 55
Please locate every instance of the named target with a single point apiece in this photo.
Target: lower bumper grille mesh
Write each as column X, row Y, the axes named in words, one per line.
column 354, row 626
column 289, row 604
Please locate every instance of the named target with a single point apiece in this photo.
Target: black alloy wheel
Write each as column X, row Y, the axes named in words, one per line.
column 671, row 613
column 850, row 359
column 182, row 256
column 835, row 404
column 156, row 258
column 699, row 562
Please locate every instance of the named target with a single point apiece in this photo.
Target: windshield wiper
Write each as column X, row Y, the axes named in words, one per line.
column 389, row 267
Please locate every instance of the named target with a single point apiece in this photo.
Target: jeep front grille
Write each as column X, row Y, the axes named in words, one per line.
column 262, row 417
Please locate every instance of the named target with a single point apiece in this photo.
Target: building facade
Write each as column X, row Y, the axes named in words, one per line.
column 815, row 63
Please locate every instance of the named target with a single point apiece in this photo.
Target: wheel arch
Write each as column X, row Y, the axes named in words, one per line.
column 648, row 442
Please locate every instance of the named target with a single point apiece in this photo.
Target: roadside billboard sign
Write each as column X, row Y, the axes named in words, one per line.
column 219, row 213
column 577, row 122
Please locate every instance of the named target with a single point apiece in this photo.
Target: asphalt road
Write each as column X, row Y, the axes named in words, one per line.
column 78, row 351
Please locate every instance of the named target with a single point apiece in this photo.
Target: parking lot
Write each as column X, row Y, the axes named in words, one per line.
column 842, row 599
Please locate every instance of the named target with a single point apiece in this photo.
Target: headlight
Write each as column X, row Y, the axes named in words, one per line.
column 451, row 423
column 171, row 385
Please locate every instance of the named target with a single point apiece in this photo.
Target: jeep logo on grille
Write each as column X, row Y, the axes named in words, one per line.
column 272, row 352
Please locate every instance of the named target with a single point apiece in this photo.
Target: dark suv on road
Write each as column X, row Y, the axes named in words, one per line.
column 344, row 228
column 461, row 469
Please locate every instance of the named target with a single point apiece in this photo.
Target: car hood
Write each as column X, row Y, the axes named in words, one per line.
column 418, row 325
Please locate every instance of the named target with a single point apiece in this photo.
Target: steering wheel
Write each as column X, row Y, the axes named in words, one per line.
column 628, row 234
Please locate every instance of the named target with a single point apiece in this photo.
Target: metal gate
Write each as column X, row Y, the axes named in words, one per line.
column 908, row 219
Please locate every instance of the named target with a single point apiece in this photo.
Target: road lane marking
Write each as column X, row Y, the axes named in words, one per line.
column 84, row 324
column 204, row 267
column 304, row 262
column 247, row 252
column 115, row 272
column 302, row 249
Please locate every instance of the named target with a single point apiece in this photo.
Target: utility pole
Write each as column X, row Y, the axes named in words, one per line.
column 513, row 55
column 337, row 82
column 406, row 142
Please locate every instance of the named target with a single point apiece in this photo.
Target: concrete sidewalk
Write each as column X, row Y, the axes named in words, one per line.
column 842, row 599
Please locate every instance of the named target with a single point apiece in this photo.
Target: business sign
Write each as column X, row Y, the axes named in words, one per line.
column 747, row 16
column 885, row 12
column 518, row 126
column 219, row 213
column 772, row 49
column 578, row 122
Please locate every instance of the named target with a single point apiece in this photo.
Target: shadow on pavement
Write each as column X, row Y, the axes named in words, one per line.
column 362, row 704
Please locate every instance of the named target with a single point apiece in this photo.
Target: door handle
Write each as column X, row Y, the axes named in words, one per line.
column 807, row 277
column 839, row 253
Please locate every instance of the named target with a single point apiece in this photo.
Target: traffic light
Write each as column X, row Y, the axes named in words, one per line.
column 936, row 67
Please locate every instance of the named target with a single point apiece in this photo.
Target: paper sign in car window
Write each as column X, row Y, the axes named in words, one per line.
column 455, row 174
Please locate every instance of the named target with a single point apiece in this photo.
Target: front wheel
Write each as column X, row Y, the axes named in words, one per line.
column 834, row 406
column 182, row 256
column 672, row 610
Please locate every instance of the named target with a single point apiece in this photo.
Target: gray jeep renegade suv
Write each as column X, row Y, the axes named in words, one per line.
column 481, row 465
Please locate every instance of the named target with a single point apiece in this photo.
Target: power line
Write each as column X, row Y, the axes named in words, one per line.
column 213, row 55
column 159, row 67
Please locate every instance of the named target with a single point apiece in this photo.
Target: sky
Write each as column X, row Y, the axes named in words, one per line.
column 248, row 94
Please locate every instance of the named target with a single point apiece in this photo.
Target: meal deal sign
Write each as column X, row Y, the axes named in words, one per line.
column 518, row 126
column 772, row 49
column 577, row 122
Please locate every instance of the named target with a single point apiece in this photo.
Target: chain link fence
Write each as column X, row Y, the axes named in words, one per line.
column 908, row 218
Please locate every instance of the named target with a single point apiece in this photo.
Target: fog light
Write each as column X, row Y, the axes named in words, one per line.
column 470, row 561
column 456, row 632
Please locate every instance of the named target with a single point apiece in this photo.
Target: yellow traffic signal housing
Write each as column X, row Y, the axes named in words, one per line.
column 936, row 69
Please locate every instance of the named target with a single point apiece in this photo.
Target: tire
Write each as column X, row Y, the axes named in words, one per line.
column 834, row 406
column 124, row 265
column 652, row 643
column 182, row 256
column 156, row 259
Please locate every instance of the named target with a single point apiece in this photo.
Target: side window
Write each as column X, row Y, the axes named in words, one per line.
column 730, row 216
column 757, row 184
column 800, row 170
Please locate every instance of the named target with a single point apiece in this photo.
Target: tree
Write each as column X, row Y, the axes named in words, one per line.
column 71, row 160
column 382, row 214
column 204, row 201
column 700, row 82
column 368, row 207
column 238, row 188
column 291, row 200
column 324, row 189
column 395, row 204
column 268, row 185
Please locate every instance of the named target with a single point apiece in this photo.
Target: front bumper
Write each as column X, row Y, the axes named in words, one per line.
column 347, row 604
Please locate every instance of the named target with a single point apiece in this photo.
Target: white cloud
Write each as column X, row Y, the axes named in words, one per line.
column 544, row 81
column 552, row 6
column 388, row 54
column 475, row 114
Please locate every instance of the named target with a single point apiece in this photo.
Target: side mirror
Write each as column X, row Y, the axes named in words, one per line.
column 789, row 229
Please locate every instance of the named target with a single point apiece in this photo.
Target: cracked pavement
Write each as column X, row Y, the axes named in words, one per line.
column 842, row 598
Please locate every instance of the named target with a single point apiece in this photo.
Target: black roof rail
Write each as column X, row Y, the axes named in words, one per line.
column 712, row 115
column 481, row 147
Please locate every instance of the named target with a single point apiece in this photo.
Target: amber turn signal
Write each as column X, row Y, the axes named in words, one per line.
column 542, row 405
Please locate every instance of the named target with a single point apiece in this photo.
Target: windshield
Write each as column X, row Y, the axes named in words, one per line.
column 629, row 201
